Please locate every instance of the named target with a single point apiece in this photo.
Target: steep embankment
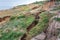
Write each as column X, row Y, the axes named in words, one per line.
column 47, row 6
column 51, row 33
column 27, row 22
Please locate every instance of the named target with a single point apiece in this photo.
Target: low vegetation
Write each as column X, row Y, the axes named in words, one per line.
column 42, row 25
column 15, row 28
column 57, row 19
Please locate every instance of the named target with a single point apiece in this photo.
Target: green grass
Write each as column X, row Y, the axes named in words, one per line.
column 11, row 35
column 57, row 19
column 56, row 8
column 12, row 29
column 40, row 3
column 43, row 24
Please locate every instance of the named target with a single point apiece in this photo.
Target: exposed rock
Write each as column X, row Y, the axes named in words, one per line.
column 53, row 29
column 39, row 37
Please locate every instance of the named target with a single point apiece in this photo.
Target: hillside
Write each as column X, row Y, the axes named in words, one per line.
column 35, row 21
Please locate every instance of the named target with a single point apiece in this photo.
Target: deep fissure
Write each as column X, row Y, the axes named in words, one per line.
column 33, row 24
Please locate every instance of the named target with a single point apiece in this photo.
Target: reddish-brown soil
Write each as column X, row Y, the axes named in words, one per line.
column 4, row 18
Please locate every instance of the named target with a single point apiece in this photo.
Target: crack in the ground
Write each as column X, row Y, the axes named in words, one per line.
column 4, row 18
column 33, row 24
